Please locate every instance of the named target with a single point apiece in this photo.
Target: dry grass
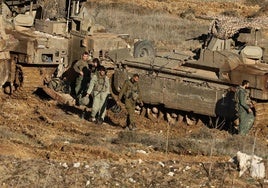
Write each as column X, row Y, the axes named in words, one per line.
column 198, row 143
column 226, row 144
column 255, row 2
column 162, row 28
column 168, row 27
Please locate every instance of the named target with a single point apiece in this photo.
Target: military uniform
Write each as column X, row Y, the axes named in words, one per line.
column 246, row 118
column 100, row 88
column 81, row 81
column 132, row 94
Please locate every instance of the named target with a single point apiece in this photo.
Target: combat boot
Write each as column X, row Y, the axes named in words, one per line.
column 100, row 121
column 134, row 127
column 77, row 99
column 129, row 127
column 93, row 120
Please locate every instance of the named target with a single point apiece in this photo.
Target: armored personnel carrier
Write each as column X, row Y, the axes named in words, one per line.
column 48, row 45
column 204, row 83
column 7, row 43
column 201, row 83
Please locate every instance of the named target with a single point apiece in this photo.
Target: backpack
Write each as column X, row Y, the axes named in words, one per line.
column 132, row 91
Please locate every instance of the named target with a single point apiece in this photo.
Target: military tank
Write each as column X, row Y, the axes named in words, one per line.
column 50, row 43
column 37, row 55
column 204, row 82
column 7, row 43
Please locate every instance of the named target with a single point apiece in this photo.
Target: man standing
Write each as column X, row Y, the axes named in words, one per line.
column 94, row 65
column 83, row 78
column 132, row 95
column 100, row 88
column 244, row 105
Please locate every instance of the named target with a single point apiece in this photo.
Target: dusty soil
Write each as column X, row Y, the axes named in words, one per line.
column 45, row 144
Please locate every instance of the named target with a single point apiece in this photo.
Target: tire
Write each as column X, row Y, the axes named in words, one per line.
column 143, row 48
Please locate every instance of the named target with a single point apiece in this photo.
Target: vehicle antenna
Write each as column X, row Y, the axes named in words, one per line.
column 68, row 15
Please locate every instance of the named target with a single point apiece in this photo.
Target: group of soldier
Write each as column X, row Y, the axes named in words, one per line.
column 93, row 81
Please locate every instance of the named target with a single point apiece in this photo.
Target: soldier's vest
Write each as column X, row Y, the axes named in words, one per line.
column 132, row 91
column 236, row 97
column 248, row 100
column 101, row 84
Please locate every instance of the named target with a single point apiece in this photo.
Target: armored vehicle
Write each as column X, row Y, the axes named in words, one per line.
column 7, row 43
column 48, row 46
column 204, row 82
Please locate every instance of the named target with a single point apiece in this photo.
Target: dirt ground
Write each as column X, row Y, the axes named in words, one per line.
column 45, row 144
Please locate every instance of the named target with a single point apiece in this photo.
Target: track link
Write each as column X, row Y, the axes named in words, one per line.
column 29, row 78
column 261, row 118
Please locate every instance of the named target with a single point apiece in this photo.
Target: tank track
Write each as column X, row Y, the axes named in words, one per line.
column 261, row 117
column 29, row 78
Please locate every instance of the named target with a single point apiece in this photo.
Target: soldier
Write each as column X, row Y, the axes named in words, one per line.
column 100, row 88
column 244, row 108
column 81, row 67
column 94, row 66
column 132, row 95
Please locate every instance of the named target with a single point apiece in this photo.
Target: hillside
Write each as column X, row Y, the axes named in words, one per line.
column 45, row 144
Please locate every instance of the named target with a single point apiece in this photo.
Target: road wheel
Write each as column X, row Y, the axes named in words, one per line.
column 143, row 48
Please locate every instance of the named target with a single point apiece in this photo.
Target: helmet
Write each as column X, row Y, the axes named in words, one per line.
column 116, row 109
column 84, row 100
column 155, row 110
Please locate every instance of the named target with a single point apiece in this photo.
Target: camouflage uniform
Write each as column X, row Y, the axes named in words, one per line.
column 100, row 88
column 132, row 94
column 246, row 118
column 81, row 81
